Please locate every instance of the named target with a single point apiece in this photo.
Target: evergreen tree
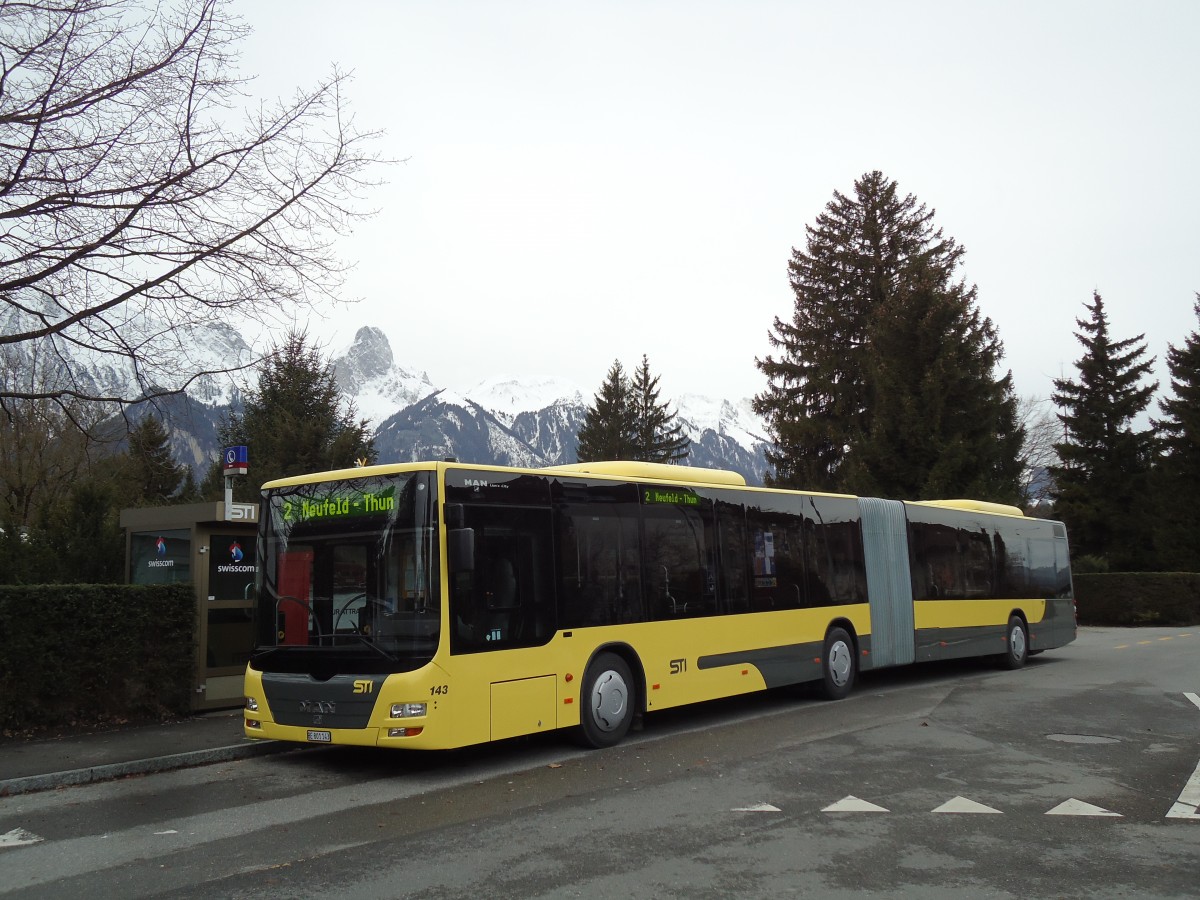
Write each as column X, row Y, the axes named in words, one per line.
column 189, row 491
column 85, row 534
column 294, row 421
column 885, row 382
column 657, row 437
column 610, row 422
column 153, row 476
column 1102, row 477
column 1176, row 478
column 940, row 423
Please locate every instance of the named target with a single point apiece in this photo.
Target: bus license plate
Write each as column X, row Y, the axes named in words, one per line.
column 323, row 736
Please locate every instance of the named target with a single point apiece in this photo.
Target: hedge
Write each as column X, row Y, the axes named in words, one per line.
column 85, row 654
column 1130, row 599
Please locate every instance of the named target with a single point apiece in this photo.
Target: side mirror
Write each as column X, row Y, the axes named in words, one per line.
column 460, row 549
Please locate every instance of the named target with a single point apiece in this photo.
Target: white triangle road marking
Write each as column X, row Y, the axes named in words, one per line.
column 1195, row 698
column 1075, row 807
column 757, row 807
column 963, row 805
column 1187, row 805
column 19, row 837
column 853, row 804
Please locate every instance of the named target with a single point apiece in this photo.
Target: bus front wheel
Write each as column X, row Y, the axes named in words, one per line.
column 839, row 665
column 608, row 701
column 1017, row 639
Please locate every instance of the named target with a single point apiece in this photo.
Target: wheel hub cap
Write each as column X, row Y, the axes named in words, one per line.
column 839, row 663
column 608, row 700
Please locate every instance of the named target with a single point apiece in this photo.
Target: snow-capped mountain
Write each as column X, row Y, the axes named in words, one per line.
column 503, row 421
column 367, row 373
column 519, row 421
column 169, row 358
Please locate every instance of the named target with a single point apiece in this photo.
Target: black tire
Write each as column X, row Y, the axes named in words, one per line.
column 1016, row 640
column 839, row 665
column 607, row 702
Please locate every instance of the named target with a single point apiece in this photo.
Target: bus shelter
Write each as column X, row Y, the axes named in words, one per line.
column 211, row 547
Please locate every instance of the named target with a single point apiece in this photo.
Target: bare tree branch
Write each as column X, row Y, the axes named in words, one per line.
column 1042, row 431
column 140, row 197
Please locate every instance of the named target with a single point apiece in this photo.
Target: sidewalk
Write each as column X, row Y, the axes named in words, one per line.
column 48, row 763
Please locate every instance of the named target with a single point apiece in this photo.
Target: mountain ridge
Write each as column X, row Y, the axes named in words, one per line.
column 512, row 421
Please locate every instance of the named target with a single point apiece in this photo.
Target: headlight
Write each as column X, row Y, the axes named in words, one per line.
column 408, row 710
column 252, row 704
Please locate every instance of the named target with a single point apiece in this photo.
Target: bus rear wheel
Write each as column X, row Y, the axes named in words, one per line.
column 608, row 701
column 839, row 665
column 1017, row 640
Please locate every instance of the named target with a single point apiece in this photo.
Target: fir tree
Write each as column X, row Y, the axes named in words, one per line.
column 609, row 423
column 941, row 424
column 294, row 420
column 657, row 437
column 1176, row 478
column 885, row 381
column 1101, row 479
column 85, row 534
column 152, row 473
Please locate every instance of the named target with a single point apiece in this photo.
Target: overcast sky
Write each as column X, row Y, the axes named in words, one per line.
column 594, row 181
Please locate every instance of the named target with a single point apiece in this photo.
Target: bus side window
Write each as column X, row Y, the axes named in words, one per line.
column 680, row 564
column 833, row 541
column 735, row 557
column 599, row 557
column 778, row 557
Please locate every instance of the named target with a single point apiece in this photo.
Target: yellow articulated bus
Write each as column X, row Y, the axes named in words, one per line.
column 437, row 605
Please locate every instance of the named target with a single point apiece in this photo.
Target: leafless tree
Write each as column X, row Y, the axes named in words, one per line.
column 46, row 444
column 142, row 194
column 1042, row 430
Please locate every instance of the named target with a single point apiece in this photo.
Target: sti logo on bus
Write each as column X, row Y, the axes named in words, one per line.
column 678, row 666
column 363, row 685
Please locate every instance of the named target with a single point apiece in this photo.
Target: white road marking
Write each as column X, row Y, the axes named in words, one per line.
column 963, row 805
column 1075, row 807
column 19, row 837
column 1193, row 697
column 1188, row 804
column 853, row 804
column 758, row 807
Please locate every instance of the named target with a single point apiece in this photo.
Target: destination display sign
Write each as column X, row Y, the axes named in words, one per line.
column 673, row 496
column 338, row 504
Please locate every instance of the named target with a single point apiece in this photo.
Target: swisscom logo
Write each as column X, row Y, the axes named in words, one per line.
column 161, row 560
column 235, row 565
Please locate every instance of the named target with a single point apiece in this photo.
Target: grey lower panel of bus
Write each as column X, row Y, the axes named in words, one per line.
column 889, row 582
column 1057, row 628
column 779, row 666
column 951, row 643
column 305, row 702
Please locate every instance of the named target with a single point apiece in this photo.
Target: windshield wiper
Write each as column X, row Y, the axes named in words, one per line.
column 367, row 642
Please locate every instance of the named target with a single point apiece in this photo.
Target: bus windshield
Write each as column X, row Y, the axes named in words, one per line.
column 348, row 576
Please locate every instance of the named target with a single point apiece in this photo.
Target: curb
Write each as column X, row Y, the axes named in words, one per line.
column 72, row 777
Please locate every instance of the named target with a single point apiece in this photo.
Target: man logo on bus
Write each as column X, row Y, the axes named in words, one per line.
column 160, row 547
column 235, row 552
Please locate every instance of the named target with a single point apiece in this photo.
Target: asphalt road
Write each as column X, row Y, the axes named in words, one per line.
column 1078, row 776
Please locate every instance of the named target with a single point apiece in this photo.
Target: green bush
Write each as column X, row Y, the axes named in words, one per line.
column 1130, row 599
column 85, row 654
